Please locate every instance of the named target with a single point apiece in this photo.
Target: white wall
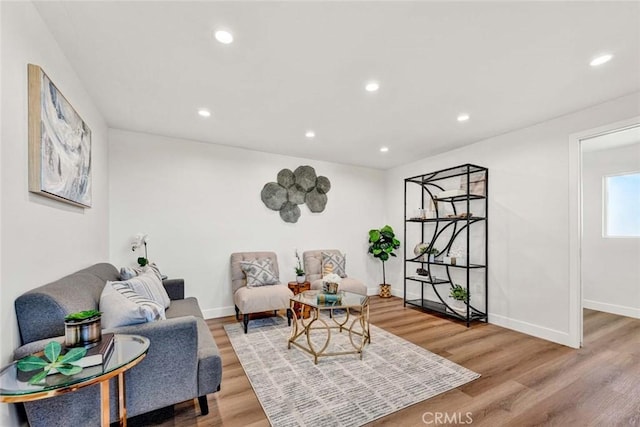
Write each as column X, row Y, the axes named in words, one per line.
column 610, row 266
column 201, row 202
column 529, row 216
column 42, row 239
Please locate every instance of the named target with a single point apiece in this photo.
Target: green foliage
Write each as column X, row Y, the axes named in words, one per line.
column 382, row 243
column 459, row 293
column 142, row 261
column 82, row 315
column 52, row 360
column 434, row 251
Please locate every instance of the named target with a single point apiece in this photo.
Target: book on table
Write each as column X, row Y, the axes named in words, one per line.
column 329, row 298
column 97, row 355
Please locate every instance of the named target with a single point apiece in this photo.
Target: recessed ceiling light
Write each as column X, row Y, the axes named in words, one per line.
column 600, row 60
column 384, row 149
column 224, row 37
column 372, row 87
column 463, row 117
column 203, row 112
column 310, row 134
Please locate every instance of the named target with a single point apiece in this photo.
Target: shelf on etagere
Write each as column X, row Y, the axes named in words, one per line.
column 447, row 265
column 447, row 173
column 426, row 279
column 445, row 219
column 460, row 198
column 441, row 308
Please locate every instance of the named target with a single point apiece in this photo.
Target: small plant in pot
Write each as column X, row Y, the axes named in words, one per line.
column 382, row 244
column 83, row 328
column 460, row 298
column 433, row 253
column 300, row 276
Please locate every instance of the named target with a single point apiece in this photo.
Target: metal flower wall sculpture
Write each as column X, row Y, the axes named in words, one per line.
column 299, row 187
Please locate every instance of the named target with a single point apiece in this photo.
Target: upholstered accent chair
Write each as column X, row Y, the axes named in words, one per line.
column 313, row 269
column 258, row 299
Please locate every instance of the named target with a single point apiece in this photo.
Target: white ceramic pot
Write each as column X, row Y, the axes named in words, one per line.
column 301, row 279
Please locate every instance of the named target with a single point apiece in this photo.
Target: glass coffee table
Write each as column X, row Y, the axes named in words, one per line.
column 350, row 314
column 128, row 351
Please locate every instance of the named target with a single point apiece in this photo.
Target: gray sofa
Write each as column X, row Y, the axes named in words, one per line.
column 183, row 361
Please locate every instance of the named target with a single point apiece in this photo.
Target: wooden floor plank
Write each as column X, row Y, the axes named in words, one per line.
column 525, row 381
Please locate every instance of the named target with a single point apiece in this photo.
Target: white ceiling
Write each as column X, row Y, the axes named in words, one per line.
column 297, row 65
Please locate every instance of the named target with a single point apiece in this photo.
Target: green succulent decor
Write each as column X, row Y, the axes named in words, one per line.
column 459, row 293
column 82, row 315
column 52, row 360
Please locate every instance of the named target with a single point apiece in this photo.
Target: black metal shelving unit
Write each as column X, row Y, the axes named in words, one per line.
column 446, row 231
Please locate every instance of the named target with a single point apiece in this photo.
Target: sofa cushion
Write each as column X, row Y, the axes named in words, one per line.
column 259, row 272
column 121, row 306
column 264, row 298
column 334, row 263
column 184, row 307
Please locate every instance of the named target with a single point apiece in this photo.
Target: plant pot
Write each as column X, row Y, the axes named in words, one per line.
column 385, row 290
column 458, row 306
column 83, row 333
column 301, row 279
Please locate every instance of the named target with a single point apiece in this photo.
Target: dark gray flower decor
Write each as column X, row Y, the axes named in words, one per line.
column 301, row 186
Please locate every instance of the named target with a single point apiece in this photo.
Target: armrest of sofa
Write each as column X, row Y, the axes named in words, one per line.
column 174, row 287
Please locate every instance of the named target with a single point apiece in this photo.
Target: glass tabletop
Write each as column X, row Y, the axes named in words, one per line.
column 126, row 349
column 347, row 299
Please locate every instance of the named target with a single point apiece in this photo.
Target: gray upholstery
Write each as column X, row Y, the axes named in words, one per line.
column 313, row 269
column 183, row 361
column 259, row 299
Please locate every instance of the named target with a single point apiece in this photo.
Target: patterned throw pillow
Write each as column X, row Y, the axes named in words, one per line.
column 121, row 306
column 127, row 273
column 149, row 285
column 259, row 272
column 334, row 263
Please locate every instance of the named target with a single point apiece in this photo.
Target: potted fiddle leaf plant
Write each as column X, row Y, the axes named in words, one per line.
column 459, row 299
column 382, row 244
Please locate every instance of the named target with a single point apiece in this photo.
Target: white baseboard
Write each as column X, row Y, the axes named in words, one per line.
column 531, row 329
column 620, row 310
column 213, row 313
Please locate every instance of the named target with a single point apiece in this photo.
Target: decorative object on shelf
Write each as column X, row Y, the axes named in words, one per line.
column 433, row 253
column 382, row 244
column 460, row 299
column 330, row 283
column 455, row 256
column 422, row 272
column 139, row 240
column 52, row 360
column 300, row 276
column 59, row 144
column 477, row 183
column 301, row 186
column 420, row 249
column 83, row 329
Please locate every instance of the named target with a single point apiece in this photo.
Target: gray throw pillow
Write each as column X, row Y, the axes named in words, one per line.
column 334, row 263
column 259, row 272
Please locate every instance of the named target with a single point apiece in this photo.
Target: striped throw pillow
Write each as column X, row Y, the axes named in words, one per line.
column 121, row 306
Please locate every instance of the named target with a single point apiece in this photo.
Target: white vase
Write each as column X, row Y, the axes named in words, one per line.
column 458, row 306
column 301, row 279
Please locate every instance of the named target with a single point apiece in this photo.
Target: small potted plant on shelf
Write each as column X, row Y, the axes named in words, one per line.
column 83, row 328
column 382, row 244
column 459, row 299
column 300, row 276
column 456, row 257
column 433, row 253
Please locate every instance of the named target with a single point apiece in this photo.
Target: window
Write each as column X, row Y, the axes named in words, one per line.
column 622, row 205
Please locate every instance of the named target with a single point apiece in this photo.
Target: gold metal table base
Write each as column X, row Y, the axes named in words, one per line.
column 301, row 328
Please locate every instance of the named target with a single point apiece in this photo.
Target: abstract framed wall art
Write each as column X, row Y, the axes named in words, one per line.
column 59, row 144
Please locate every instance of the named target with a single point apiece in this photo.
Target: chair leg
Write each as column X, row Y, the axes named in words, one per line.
column 289, row 316
column 245, row 320
column 275, row 312
column 237, row 313
column 204, row 405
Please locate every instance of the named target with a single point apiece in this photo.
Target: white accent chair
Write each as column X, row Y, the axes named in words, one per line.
column 259, row 299
column 313, row 269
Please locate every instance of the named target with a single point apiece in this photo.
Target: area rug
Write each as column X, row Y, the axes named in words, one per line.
column 339, row 390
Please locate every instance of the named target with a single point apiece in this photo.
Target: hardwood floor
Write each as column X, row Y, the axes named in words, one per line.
column 525, row 381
